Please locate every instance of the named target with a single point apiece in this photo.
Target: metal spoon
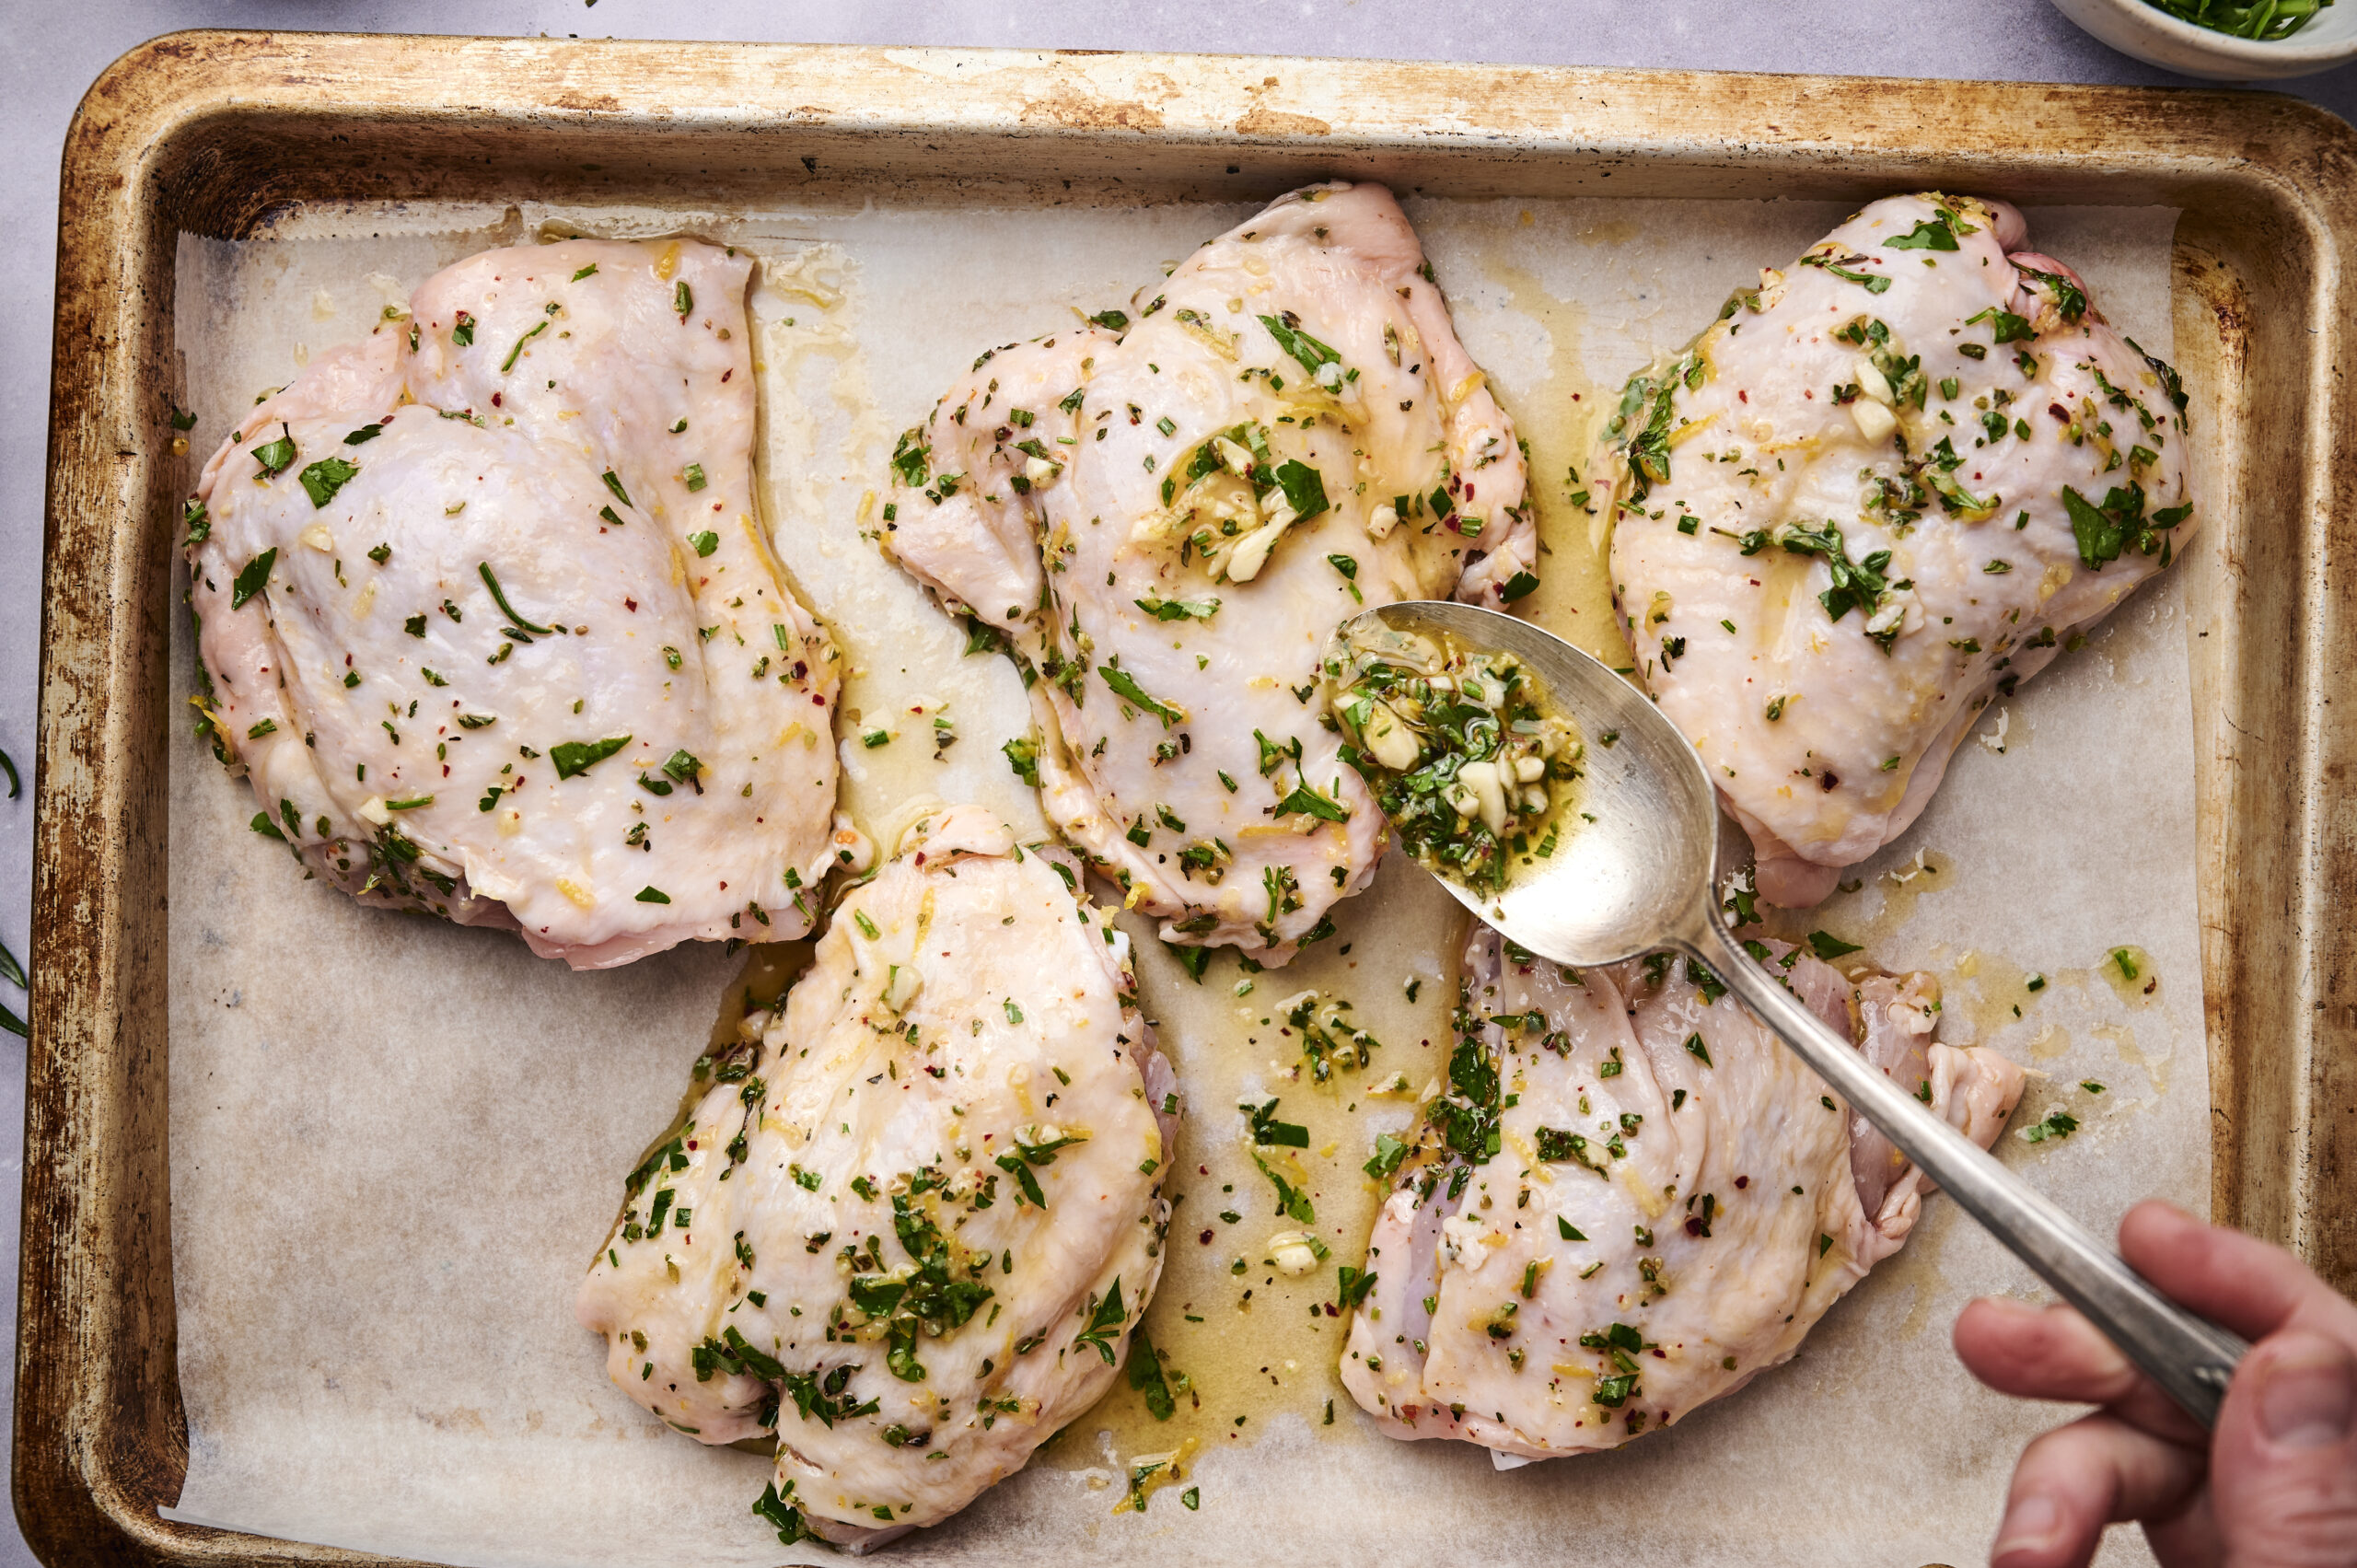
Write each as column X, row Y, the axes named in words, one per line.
column 1642, row 875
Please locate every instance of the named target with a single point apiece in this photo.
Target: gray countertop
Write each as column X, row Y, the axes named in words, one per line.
column 52, row 51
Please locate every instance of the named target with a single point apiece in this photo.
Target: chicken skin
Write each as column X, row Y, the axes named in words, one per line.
column 1164, row 517
column 1882, row 488
column 909, row 1226
column 488, row 619
column 1632, row 1199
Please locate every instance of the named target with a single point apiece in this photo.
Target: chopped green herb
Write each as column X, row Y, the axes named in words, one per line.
column 499, row 597
column 2056, row 1124
column 1934, row 233
column 1125, row 686
column 253, row 578
column 1194, row 960
column 1311, row 355
column 1146, row 1376
column 1305, row 489
column 1179, row 609
column 517, row 352
column 2004, row 326
column 1267, row 1131
column 574, row 758
column 1104, row 1320
column 274, row 457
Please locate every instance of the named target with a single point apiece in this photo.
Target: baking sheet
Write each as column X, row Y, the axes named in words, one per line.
column 394, row 1144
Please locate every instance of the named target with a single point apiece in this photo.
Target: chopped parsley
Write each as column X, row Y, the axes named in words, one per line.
column 574, row 758
column 253, row 578
column 324, row 478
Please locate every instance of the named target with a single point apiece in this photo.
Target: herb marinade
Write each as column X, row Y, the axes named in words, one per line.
column 1464, row 754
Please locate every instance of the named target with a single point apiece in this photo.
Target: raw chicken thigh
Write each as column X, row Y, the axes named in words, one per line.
column 488, row 618
column 1881, row 488
column 1164, row 518
column 1633, row 1198
column 909, row 1226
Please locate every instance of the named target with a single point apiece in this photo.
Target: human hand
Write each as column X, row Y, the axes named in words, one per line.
column 2275, row 1486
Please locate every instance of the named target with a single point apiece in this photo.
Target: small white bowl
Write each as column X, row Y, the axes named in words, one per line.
column 2156, row 38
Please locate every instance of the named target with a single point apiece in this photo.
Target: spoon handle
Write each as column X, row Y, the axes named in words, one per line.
column 2186, row 1355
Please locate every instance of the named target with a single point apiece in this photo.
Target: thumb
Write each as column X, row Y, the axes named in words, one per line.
column 2283, row 1464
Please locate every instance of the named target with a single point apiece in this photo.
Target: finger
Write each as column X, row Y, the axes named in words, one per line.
column 2284, row 1464
column 2190, row 1538
column 2077, row 1478
column 2053, row 1352
column 2241, row 1282
column 2039, row 1353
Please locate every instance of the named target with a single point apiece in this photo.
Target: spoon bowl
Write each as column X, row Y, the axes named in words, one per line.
column 1639, row 873
column 1621, row 884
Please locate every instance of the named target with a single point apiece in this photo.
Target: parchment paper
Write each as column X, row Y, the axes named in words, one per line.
column 395, row 1143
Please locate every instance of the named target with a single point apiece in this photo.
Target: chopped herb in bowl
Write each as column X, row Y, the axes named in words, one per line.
column 2265, row 21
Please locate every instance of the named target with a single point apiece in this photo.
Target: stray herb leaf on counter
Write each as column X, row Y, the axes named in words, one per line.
column 1268, row 1131
column 1825, row 945
column 1146, row 1376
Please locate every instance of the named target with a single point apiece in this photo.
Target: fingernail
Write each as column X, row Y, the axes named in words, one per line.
column 2032, row 1524
column 2309, row 1396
